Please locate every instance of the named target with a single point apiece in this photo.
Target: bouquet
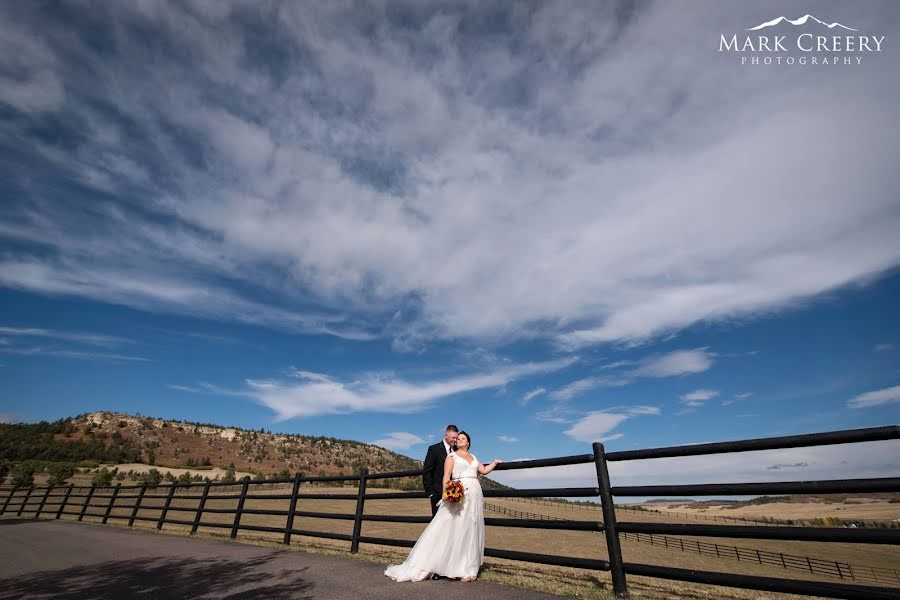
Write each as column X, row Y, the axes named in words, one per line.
column 454, row 492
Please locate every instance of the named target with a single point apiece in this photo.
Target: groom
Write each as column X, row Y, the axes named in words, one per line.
column 433, row 476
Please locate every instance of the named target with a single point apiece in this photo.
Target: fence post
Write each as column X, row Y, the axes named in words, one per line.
column 25, row 501
column 137, row 504
column 112, row 500
column 87, row 500
column 65, row 500
column 293, row 506
column 43, row 502
column 200, row 507
column 360, row 504
column 12, row 492
column 165, row 508
column 616, row 568
column 240, row 508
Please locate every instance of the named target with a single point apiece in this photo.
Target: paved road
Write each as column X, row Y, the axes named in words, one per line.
column 69, row 561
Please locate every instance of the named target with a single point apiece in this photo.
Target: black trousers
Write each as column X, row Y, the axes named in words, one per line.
column 435, row 498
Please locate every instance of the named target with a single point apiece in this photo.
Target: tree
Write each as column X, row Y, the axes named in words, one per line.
column 230, row 474
column 23, row 475
column 185, row 477
column 169, row 477
column 59, row 472
column 152, row 477
column 104, row 477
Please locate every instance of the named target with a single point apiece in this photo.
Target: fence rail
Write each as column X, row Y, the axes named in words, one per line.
column 24, row 501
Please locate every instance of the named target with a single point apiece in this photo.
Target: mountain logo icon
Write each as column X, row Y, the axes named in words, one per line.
column 800, row 21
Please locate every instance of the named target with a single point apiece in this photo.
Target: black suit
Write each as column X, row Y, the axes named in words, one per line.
column 433, row 476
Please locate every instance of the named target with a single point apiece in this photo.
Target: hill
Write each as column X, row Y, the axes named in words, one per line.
column 121, row 438
column 108, row 437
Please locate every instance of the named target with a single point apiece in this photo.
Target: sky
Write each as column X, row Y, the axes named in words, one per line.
column 548, row 223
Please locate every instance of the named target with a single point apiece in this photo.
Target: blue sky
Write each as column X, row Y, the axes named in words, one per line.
column 545, row 224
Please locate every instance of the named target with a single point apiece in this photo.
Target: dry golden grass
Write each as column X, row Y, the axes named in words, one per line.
column 557, row 580
column 861, row 509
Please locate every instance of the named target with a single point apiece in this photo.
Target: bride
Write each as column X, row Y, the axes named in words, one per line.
column 453, row 543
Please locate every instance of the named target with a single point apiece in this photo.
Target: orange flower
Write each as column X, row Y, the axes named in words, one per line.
column 454, row 492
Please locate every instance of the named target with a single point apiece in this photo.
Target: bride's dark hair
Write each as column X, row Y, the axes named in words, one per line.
column 468, row 437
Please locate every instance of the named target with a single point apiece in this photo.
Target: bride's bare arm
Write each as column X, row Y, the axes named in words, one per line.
column 485, row 469
column 448, row 470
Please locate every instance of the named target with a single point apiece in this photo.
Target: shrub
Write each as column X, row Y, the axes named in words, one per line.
column 60, row 472
column 151, row 477
column 104, row 477
column 23, row 475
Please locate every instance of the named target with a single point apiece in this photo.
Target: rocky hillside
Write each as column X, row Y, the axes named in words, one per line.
column 119, row 438
column 184, row 444
column 115, row 438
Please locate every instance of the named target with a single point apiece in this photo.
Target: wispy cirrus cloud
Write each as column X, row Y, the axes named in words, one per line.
column 93, row 339
column 598, row 426
column 508, row 439
column 310, row 394
column 697, row 397
column 64, row 344
column 673, row 364
column 399, row 440
column 531, row 395
column 352, row 203
column 75, row 354
column 876, row 398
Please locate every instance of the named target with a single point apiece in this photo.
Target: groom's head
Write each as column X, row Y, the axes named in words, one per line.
column 450, row 435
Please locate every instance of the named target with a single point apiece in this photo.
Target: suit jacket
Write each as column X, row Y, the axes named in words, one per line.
column 432, row 478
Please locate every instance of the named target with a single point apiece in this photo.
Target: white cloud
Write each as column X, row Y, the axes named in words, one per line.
column 876, row 398
column 94, row 339
column 11, row 418
column 352, row 202
column 318, row 394
column 76, row 354
column 597, row 426
column 884, row 347
column 508, row 439
column 589, row 383
column 399, row 440
column 743, row 395
column 531, row 395
column 679, row 362
column 697, row 397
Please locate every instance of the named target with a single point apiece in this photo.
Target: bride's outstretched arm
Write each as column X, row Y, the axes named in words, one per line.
column 448, row 470
column 485, row 469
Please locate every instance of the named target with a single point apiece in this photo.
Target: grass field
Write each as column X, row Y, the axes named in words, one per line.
column 855, row 508
column 562, row 581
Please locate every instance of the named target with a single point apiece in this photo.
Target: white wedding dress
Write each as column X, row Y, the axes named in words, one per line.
column 453, row 543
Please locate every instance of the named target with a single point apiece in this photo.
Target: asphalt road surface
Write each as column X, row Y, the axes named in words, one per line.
column 69, row 561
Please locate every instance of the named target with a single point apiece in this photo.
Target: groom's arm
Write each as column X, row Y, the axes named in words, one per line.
column 428, row 475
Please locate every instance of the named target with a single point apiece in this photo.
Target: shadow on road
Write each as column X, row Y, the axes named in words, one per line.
column 163, row 578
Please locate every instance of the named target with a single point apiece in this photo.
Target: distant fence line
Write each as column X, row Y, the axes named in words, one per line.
column 56, row 501
column 769, row 521
column 816, row 566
